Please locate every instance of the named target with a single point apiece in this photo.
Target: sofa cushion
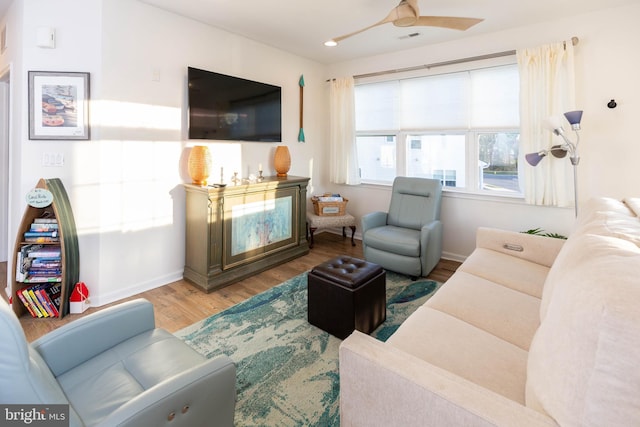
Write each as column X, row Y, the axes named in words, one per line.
column 582, row 367
column 464, row 350
column 613, row 224
column 397, row 240
column 508, row 314
column 515, row 273
column 101, row 385
column 602, row 216
column 602, row 204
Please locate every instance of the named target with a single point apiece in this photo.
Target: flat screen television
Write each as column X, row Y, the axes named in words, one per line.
column 224, row 107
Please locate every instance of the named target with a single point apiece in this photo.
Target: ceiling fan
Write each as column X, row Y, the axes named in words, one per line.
column 407, row 14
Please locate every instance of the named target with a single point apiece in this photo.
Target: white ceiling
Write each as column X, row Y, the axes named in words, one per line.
column 302, row 26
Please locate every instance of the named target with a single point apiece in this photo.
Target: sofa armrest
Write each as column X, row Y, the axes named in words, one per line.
column 82, row 339
column 203, row 395
column 381, row 385
column 373, row 220
column 431, row 245
column 539, row 249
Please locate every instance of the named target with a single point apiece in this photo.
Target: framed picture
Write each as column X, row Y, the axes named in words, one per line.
column 58, row 105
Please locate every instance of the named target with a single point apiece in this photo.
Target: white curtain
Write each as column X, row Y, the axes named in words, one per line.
column 343, row 155
column 547, row 88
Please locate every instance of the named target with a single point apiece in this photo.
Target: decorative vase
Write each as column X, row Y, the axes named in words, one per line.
column 199, row 164
column 282, row 160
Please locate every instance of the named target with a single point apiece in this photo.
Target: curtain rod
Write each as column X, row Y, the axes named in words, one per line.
column 574, row 41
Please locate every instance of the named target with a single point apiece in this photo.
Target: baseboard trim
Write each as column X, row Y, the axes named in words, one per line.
column 109, row 297
column 445, row 255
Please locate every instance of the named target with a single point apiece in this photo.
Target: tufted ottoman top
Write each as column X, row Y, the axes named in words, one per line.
column 347, row 271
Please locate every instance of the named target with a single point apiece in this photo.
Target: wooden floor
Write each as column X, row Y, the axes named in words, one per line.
column 180, row 304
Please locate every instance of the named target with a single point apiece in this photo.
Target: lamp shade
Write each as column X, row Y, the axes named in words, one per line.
column 574, row 117
column 534, row 158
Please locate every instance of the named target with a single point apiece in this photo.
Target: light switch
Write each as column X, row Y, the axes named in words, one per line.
column 52, row 159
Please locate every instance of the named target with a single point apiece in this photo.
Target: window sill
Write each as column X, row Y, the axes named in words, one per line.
column 517, row 199
column 461, row 194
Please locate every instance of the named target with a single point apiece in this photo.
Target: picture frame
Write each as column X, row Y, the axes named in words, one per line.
column 58, row 105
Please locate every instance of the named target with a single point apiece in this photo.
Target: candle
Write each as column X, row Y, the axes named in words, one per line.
column 259, row 167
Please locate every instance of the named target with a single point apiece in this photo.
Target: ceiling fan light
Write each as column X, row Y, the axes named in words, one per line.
column 331, row 43
column 405, row 15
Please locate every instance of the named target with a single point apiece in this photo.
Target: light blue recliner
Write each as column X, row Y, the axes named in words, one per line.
column 407, row 239
column 115, row 368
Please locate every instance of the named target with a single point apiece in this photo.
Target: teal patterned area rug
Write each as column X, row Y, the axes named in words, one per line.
column 287, row 369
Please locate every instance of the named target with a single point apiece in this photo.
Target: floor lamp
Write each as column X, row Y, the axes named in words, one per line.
column 560, row 151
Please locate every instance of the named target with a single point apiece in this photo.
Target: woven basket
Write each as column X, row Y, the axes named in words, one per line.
column 329, row 208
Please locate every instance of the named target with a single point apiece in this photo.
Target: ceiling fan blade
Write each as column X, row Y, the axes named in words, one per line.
column 450, row 22
column 338, row 39
column 389, row 18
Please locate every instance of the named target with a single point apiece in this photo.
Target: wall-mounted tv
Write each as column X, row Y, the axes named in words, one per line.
column 230, row 108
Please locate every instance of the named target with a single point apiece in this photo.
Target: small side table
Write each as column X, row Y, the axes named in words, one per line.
column 346, row 293
column 315, row 222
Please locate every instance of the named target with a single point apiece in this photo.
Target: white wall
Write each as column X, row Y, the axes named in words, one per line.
column 12, row 55
column 125, row 184
column 7, row 59
column 606, row 68
column 143, row 137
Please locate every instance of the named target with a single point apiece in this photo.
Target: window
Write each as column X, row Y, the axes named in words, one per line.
column 377, row 157
column 460, row 127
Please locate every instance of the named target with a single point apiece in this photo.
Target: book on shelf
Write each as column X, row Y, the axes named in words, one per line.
column 46, row 263
column 33, row 264
column 44, row 227
column 53, row 233
column 41, row 300
column 26, row 304
column 46, row 252
column 44, row 301
column 34, row 307
column 23, row 261
column 42, row 279
column 42, row 239
column 42, row 272
column 54, row 292
column 52, row 236
column 45, row 221
column 36, row 301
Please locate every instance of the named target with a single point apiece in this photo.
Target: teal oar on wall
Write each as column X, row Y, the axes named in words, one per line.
column 301, row 84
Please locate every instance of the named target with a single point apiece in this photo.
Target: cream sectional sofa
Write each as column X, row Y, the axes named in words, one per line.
column 529, row 331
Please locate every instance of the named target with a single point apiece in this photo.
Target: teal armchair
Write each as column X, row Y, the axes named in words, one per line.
column 408, row 238
column 115, row 368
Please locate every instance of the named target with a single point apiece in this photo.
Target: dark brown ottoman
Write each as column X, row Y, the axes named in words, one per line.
column 346, row 293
